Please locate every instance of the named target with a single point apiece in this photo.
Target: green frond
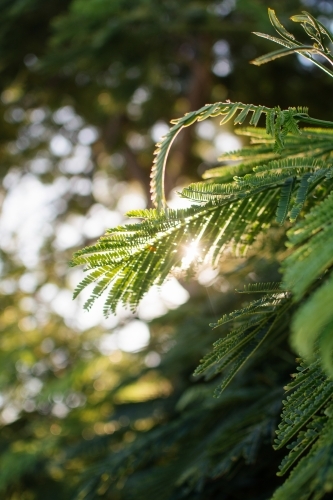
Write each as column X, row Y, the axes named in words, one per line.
column 311, row 394
column 101, row 286
column 88, row 280
column 256, row 116
column 143, row 213
column 306, row 18
column 263, row 305
column 268, row 288
column 307, row 413
column 284, row 200
column 279, row 27
column 313, row 473
column 302, row 194
column 137, row 260
column 314, row 254
column 259, row 320
column 276, row 54
column 279, row 41
column 226, row 173
column 296, row 165
column 134, row 257
column 318, row 219
column 270, row 119
column 317, row 133
column 321, row 174
column 228, row 109
column 204, row 192
column 278, row 124
column 307, row 142
column 290, row 124
column 312, row 27
column 231, row 112
column 304, row 441
column 313, row 143
column 313, row 325
column 256, row 134
column 162, row 148
column 243, row 114
column 272, row 175
column 137, row 256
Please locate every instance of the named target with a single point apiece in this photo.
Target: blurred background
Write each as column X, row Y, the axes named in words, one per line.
column 87, row 87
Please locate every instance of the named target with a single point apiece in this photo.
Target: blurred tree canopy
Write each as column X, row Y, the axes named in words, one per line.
column 124, row 66
column 87, row 88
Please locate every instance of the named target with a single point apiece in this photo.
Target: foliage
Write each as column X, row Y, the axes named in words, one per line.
column 130, row 259
column 81, row 417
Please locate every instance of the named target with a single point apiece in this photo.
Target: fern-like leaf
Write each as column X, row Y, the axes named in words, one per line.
column 267, row 288
column 313, row 28
column 313, row 325
column 313, row 473
column 279, row 27
column 259, row 320
column 304, row 441
column 312, row 393
column 278, row 124
column 307, row 413
column 302, row 194
column 284, row 200
column 314, row 256
column 135, row 257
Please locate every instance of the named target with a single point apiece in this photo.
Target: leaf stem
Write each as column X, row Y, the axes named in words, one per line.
column 314, row 121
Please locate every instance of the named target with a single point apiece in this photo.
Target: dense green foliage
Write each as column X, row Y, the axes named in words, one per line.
column 85, row 86
column 130, row 259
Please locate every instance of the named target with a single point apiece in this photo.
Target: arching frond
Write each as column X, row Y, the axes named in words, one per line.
column 239, row 110
column 278, row 124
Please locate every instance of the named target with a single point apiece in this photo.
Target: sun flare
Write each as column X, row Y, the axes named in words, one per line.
column 191, row 252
